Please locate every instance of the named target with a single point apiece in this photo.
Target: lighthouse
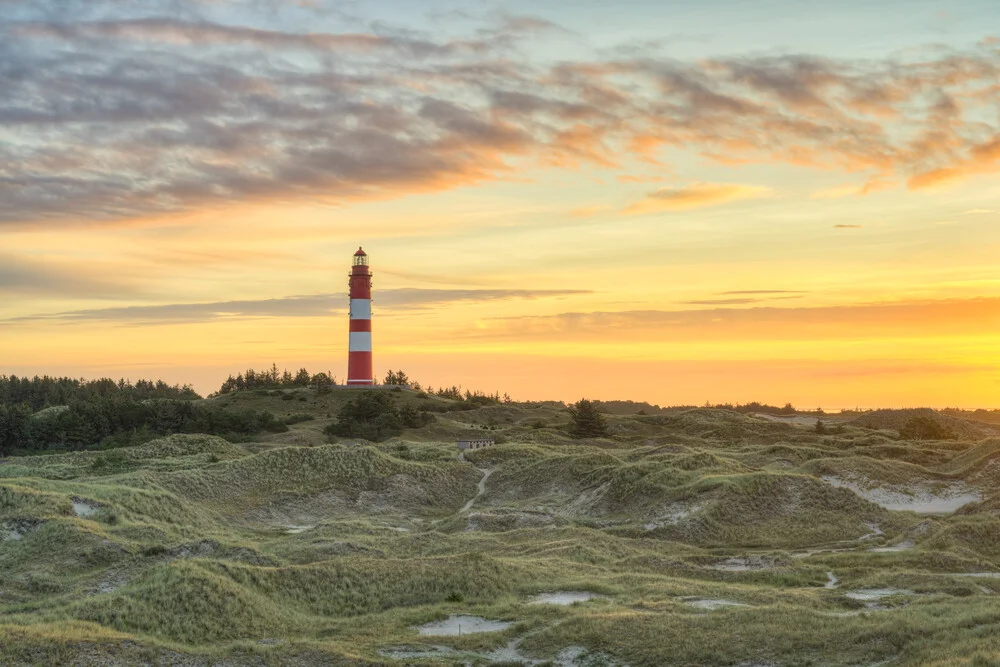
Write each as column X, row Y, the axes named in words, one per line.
column 359, row 355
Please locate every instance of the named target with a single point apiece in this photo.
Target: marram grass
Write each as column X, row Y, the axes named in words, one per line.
column 191, row 549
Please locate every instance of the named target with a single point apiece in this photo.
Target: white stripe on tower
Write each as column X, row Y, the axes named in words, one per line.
column 361, row 309
column 361, row 341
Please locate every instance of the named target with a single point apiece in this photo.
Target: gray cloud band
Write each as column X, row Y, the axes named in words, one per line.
column 315, row 305
column 135, row 115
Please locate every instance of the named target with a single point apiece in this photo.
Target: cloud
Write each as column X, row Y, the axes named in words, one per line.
column 763, row 291
column 31, row 277
column 854, row 190
column 174, row 31
column 961, row 317
column 722, row 302
column 735, row 301
column 124, row 109
column 314, row 305
column 847, row 226
column 695, row 196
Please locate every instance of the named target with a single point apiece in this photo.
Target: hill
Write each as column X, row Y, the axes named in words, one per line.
column 695, row 536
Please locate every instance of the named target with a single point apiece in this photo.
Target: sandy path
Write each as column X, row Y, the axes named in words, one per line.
column 480, row 492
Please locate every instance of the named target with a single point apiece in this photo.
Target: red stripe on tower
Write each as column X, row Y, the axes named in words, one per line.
column 359, row 354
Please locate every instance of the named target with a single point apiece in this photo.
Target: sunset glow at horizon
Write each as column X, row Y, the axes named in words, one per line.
column 658, row 203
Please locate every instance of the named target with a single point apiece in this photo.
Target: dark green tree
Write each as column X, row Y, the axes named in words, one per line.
column 371, row 415
column 586, row 421
column 414, row 418
column 322, row 382
column 924, row 428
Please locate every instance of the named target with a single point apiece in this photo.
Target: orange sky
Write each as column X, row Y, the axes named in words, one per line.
column 583, row 221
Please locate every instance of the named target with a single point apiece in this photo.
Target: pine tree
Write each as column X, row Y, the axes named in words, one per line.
column 586, row 421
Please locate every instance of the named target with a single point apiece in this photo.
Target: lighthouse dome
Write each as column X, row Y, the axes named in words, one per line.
column 360, row 258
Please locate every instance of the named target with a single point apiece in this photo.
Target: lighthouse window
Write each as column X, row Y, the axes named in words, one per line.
column 361, row 260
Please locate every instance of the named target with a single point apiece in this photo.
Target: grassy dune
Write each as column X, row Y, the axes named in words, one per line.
column 710, row 537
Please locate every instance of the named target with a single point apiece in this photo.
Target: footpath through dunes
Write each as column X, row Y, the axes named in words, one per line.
column 687, row 537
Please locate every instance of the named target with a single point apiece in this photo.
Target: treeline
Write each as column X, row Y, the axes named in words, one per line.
column 42, row 392
column 272, row 378
column 472, row 399
column 110, row 421
column 753, row 406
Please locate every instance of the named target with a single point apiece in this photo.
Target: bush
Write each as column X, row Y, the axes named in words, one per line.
column 924, row 428
column 298, row 418
column 372, row 416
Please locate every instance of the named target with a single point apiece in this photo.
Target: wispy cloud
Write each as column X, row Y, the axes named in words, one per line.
column 695, row 196
column 963, row 317
column 314, row 305
column 764, row 291
column 847, row 226
column 41, row 277
column 120, row 112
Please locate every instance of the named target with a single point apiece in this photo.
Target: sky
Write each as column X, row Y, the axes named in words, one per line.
column 674, row 202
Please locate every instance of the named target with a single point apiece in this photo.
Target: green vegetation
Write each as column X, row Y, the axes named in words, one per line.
column 43, row 392
column 286, row 549
column 272, row 379
column 372, row 415
column 586, row 421
column 114, row 421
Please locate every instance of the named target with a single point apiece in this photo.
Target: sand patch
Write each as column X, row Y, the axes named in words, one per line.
column 456, row 626
column 920, row 499
column 874, row 597
column 713, row 604
column 571, row 656
column 744, row 564
column 564, row 598
column 902, row 546
column 295, row 529
column 672, row 516
column 85, row 508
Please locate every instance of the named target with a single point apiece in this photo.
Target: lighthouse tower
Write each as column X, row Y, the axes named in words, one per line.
column 359, row 356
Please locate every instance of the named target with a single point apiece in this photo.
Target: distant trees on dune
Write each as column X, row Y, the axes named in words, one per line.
column 272, row 378
column 45, row 413
column 42, row 392
column 120, row 420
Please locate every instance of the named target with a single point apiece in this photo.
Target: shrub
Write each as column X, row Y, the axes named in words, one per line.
column 298, row 418
column 924, row 428
column 372, row 416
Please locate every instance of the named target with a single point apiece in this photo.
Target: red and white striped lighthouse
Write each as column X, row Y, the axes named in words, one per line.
column 359, row 356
